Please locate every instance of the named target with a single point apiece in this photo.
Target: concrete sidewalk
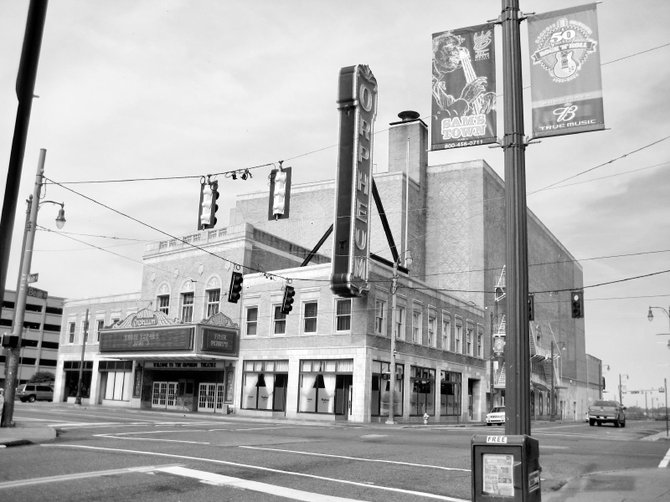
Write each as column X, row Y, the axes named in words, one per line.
column 24, row 433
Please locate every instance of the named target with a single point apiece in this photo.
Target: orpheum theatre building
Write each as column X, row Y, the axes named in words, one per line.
column 174, row 366
column 179, row 344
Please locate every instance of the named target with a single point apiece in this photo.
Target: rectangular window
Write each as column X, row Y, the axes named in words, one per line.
column 71, row 330
column 422, row 397
column 469, row 339
column 432, row 326
column 163, row 302
column 213, row 297
column 343, row 315
column 100, row 325
column 446, row 332
column 310, row 311
column 279, row 321
column 458, row 342
column 400, row 323
column 450, row 395
column 380, row 325
column 480, row 342
column 187, row 307
column 252, row 321
column 417, row 319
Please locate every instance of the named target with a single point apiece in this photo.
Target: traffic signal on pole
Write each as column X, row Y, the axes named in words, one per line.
column 577, row 303
column 531, row 306
column 280, row 193
column 287, row 302
column 235, row 287
column 209, row 193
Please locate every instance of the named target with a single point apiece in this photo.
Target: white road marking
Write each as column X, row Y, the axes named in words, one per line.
column 359, row 459
column 221, row 480
column 20, row 483
column 122, row 435
column 666, row 460
column 259, row 468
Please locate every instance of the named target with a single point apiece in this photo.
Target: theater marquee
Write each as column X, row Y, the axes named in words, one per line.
column 357, row 103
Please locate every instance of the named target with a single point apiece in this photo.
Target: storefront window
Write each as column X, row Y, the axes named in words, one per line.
column 264, row 385
column 422, row 397
column 450, row 393
column 381, row 384
column 325, row 386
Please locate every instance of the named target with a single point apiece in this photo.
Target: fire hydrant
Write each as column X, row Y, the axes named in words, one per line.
column 425, row 418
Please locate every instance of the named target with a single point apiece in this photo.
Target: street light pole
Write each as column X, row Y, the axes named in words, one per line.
column 81, row 363
column 13, row 352
column 394, row 289
column 394, row 313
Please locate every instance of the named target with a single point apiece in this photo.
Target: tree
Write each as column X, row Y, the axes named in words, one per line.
column 42, row 376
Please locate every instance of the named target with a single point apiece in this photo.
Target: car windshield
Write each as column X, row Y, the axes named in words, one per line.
column 498, row 409
column 606, row 403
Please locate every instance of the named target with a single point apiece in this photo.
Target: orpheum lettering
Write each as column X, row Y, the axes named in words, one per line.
column 358, row 109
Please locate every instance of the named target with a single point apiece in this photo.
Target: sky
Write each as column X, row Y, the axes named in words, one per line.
column 165, row 91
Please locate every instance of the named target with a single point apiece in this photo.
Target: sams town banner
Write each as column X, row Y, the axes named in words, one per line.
column 566, row 86
column 464, row 88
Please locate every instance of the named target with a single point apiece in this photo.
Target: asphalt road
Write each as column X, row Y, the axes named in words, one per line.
column 118, row 454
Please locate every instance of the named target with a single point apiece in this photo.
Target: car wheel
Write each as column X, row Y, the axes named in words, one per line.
column 591, row 422
column 623, row 423
column 617, row 424
column 31, row 399
column 488, row 424
column 599, row 423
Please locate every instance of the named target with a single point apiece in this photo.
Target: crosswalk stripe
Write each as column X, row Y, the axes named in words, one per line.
column 281, row 491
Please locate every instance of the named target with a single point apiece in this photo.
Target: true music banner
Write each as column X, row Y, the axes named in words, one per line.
column 566, row 90
column 464, row 88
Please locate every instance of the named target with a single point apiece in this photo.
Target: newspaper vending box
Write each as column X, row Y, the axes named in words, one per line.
column 505, row 468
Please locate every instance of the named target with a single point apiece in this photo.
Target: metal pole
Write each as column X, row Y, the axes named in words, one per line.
column 25, row 89
column 394, row 288
column 81, row 363
column 665, row 384
column 553, row 387
column 620, row 395
column 13, row 354
column 517, row 350
column 491, row 356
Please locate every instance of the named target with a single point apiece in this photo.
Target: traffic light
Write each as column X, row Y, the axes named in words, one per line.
column 209, row 192
column 280, row 193
column 577, row 302
column 235, row 287
column 287, row 302
column 531, row 306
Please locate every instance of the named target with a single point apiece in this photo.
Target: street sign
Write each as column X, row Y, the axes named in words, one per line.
column 37, row 293
column 33, row 278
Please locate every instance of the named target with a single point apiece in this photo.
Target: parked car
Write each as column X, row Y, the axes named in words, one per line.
column 601, row 412
column 496, row 416
column 32, row 392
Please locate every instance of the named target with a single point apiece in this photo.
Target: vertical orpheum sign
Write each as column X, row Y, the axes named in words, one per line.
column 357, row 103
column 566, row 89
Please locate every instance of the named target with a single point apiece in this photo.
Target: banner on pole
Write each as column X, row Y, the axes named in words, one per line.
column 566, row 89
column 464, row 88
